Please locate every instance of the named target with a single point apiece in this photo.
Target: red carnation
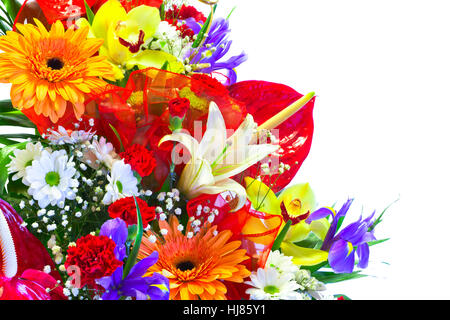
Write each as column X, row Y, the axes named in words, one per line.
column 208, row 86
column 140, row 159
column 94, row 255
column 125, row 209
column 185, row 12
column 185, row 31
column 178, row 107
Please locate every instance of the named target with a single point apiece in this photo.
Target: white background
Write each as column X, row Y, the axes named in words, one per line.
column 381, row 71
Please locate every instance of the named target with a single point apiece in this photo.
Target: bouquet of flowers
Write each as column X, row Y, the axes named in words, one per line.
column 151, row 173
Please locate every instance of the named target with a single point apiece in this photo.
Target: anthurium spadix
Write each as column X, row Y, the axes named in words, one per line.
column 217, row 158
column 294, row 204
column 125, row 34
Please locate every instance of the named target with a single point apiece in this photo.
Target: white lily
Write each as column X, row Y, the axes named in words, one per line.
column 217, row 158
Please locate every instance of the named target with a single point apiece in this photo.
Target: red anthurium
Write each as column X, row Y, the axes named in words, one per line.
column 264, row 100
column 22, row 257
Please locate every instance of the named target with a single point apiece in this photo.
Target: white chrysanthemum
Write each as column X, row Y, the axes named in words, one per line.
column 51, row 178
column 168, row 39
column 99, row 151
column 122, row 183
column 281, row 263
column 269, row 284
column 62, row 136
column 23, row 158
column 310, row 284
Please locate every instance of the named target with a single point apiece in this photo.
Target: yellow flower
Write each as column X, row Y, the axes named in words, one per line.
column 295, row 203
column 49, row 69
column 125, row 35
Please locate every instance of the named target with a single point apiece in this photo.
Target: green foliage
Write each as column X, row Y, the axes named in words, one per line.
column 331, row 277
column 15, row 118
column 5, row 159
column 131, row 261
column 312, row 241
column 118, row 137
column 89, row 13
column 280, row 238
column 202, row 32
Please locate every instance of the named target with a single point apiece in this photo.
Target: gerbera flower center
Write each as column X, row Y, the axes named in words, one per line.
column 271, row 289
column 52, row 178
column 185, row 266
column 55, row 63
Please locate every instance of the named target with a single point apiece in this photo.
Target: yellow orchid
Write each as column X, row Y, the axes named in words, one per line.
column 295, row 204
column 216, row 158
column 124, row 36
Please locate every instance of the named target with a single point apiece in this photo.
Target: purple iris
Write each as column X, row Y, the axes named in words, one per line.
column 134, row 284
column 341, row 246
column 217, row 38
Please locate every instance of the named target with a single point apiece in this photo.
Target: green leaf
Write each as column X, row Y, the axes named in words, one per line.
column 312, row 241
column 20, row 136
column 89, row 13
column 15, row 118
column 232, row 10
column 162, row 10
column 165, row 65
column 378, row 220
column 280, row 238
column 6, row 105
column 372, row 243
column 12, row 7
column 137, row 243
column 331, row 277
column 5, row 152
column 132, row 232
column 202, row 32
column 118, row 137
column 313, row 269
column 7, row 142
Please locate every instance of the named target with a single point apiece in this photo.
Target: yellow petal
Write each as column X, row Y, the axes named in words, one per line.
column 155, row 59
column 298, row 232
column 107, row 17
column 320, row 227
column 304, row 256
column 262, row 198
column 146, row 18
column 298, row 200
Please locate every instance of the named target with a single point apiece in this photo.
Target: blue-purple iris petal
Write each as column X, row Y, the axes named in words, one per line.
column 354, row 232
column 333, row 227
column 341, row 258
column 157, row 294
column 192, row 24
column 140, row 268
column 105, row 282
column 368, row 236
column 319, row 214
column 363, row 254
column 111, row 295
column 115, row 229
column 218, row 38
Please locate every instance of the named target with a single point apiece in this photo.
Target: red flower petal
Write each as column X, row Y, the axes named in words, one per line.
column 31, row 254
column 263, row 100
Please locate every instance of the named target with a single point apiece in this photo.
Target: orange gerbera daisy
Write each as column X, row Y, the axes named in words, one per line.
column 196, row 264
column 49, row 69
